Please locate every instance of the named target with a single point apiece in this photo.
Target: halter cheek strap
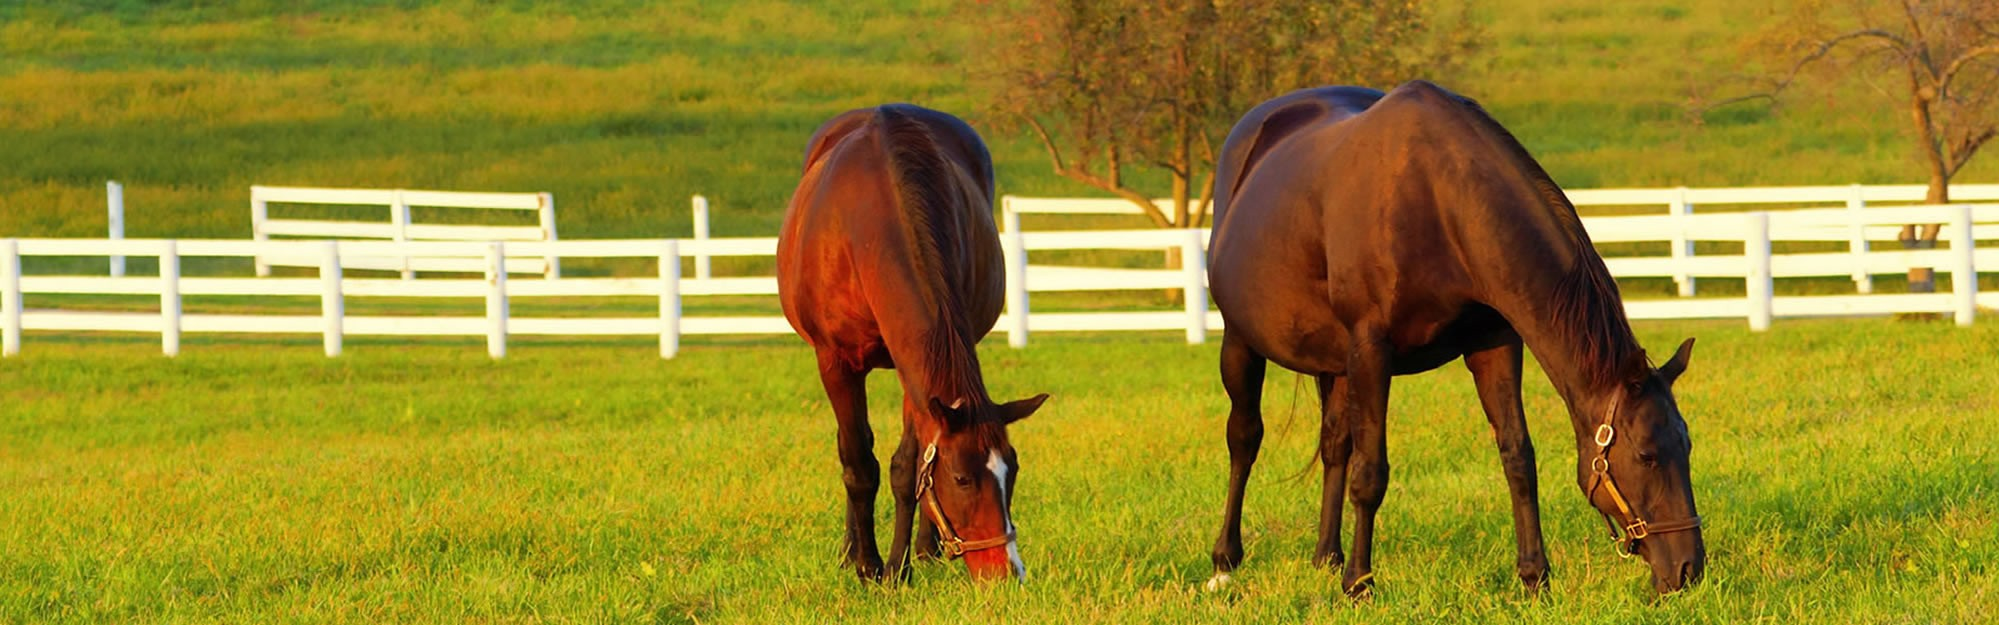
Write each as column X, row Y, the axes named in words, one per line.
column 1634, row 527
column 926, row 496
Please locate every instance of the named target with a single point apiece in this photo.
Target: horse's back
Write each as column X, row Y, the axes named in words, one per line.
column 1332, row 225
column 1271, row 122
column 856, row 230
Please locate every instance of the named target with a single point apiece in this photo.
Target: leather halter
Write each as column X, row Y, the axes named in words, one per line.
column 1634, row 527
column 926, row 496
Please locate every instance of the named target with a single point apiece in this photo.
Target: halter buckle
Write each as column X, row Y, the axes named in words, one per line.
column 1603, row 435
column 1636, row 530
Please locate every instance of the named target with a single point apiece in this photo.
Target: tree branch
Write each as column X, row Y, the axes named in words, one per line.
column 1115, row 187
column 1825, row 47
column 1949, row 72
column 1054, row 154
column 1969, row 146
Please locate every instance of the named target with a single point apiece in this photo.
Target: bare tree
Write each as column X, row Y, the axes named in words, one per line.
column 1941, row 59
column 1121, row 91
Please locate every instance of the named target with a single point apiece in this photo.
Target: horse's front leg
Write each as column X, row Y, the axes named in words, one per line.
column 1368, row 376
column 1497, row 372
column 902, row 481
column 847, row 389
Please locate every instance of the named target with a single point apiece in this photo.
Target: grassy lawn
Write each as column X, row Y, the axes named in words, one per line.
column 1846, row 469
column 624, row 109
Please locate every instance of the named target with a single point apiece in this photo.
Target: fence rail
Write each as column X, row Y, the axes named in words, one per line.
column 1755, row 231
column 399, row 226
column 1677, row 202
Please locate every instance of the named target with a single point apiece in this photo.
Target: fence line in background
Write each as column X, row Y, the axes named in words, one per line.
column 114, row 199
column 703, row 265
column 399, row 226
column 1757, row 265
column 1678, row 202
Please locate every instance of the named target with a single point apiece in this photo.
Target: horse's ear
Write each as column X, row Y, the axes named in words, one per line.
column 1673, row 368
column 953, row 416
column 1016, row 410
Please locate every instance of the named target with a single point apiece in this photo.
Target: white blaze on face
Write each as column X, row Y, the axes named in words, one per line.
column 1001, row 470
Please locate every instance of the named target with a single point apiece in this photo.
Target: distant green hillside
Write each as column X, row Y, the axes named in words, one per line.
column 624, row 109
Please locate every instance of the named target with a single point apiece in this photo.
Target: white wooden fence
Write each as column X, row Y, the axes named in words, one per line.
column 1676, row 202
column 1755, row 231
column 398, row 227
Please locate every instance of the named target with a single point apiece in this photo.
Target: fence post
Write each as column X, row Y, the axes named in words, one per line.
column 1761, row 286
column 1963, row 271
column 114, row 195
column 554, row 270
column 496, row 300
column 1856, row 233
column 260, row 212
column 703, row 266
column 10, row 297
column 332, row 304
column 170, row 298
column 1683, row 248
column 1014, row 244
column 399, row 213
column 1194, row 267
column 669, row 299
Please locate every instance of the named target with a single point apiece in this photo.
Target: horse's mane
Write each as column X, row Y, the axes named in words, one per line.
column 1585, row 303
column 925, row 185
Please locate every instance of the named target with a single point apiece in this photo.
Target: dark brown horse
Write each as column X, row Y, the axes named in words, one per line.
column 889, row 260
column 1361, row 235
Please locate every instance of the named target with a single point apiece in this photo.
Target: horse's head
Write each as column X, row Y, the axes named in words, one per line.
column 1636, row 474
column 964, row 482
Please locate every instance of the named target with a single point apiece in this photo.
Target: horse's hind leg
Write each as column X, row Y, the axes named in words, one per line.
column 1242, row 376
column 1497, row 372
column 847, row 388
column 1368, row 376
column 1334, row 444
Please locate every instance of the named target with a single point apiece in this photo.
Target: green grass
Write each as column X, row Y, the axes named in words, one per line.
column 1846, row 466
column 625, row 109
column 1845, row 469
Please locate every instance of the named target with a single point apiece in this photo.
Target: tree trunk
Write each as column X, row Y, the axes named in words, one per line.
column 1181, row 208
column 1915, row 237
column 1924, row 237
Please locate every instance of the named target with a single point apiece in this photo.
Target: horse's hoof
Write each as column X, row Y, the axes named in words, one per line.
column 869, row 572
column 1362, row 588
column 1535, row 583
column 1218, row 582
column 1332, row 561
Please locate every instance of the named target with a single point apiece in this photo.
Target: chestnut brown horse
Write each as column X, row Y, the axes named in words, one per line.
column 1360, row 236
column 889, row 260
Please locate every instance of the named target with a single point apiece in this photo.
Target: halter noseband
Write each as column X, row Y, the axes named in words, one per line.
column 926, row 496
column 1634, row 527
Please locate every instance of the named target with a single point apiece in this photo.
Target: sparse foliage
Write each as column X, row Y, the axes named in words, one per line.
column 1112, row 88
column 1937, row 60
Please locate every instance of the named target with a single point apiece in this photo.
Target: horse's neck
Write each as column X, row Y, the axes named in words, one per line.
column 1532, row 281
column 1563, row 354
column 936, row 362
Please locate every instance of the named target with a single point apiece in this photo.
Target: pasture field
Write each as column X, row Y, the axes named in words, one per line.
column 625, row 108
column 1846, row 469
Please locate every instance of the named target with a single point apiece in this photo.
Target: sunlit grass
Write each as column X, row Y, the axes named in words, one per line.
column 1844, row 467
column 624, row 110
